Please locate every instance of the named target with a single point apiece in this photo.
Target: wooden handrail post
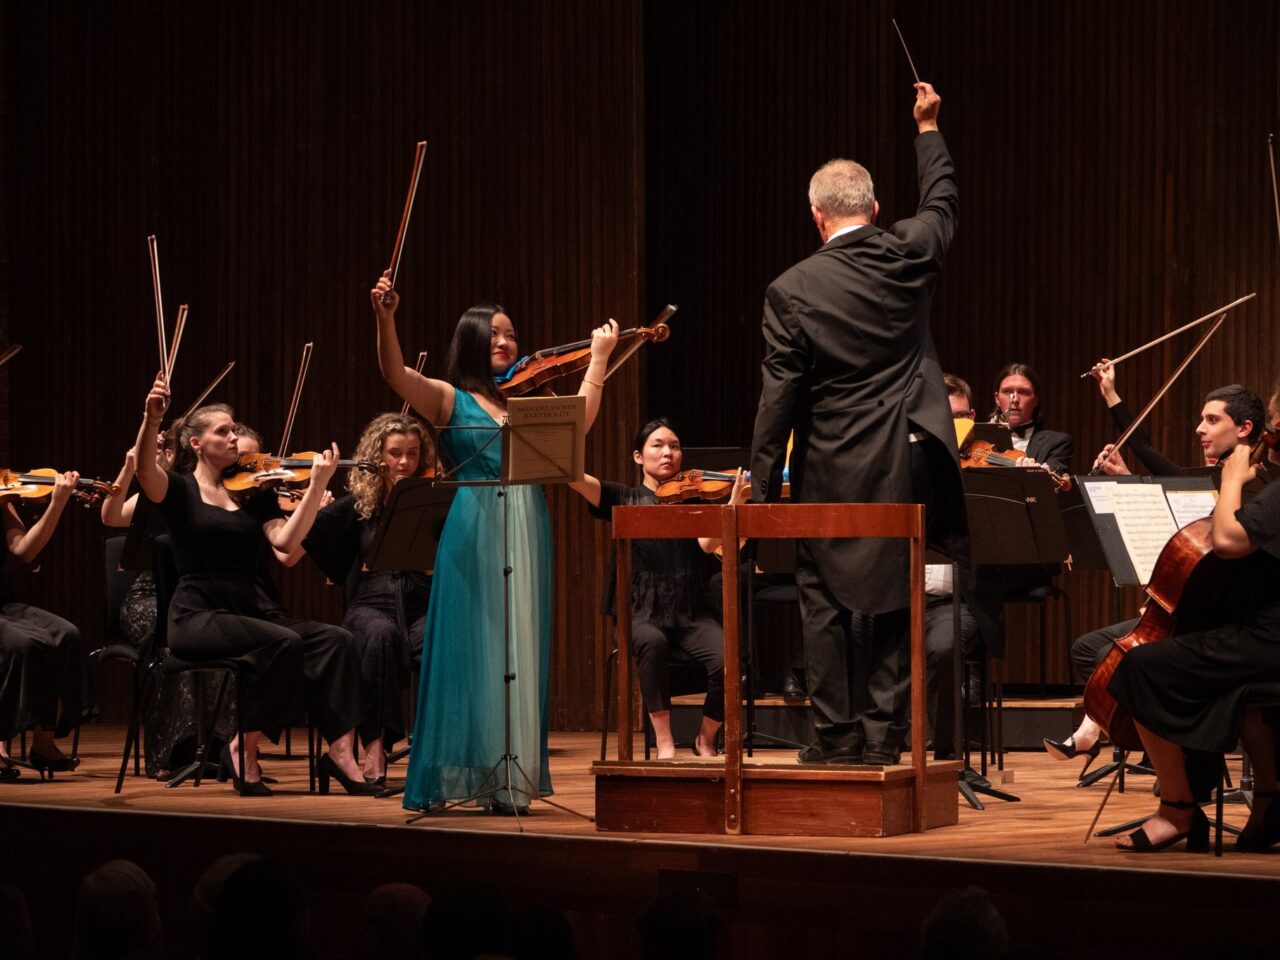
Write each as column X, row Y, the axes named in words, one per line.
column 732, row 672
column 622, row 633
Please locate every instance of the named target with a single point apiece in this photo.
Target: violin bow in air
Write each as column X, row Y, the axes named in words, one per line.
column 153, row 250
column 1172, row 333
column 209, row 389
column 394, row 268
column 297, row 396
column 10, row 353
column 1137, row 421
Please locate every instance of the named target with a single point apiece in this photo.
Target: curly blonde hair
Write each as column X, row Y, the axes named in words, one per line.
column 370, row 488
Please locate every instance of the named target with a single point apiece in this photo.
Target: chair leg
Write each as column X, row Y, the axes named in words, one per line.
column 288, row 743
column 131, row 735
column 205, row 736
column 1044, row 648
column 311, row 756
column 240, row 685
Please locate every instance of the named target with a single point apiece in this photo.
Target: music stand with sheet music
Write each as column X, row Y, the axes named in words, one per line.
column 543, row 440
column 1101, row 511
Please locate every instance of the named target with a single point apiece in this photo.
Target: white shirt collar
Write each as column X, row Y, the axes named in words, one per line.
column 843, row 230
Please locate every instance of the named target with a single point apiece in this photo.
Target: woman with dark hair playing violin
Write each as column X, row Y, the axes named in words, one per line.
column 458, row 735
column 1190, row 690
column 386, row 609
column 669, row 603
column 218, row 609
column 44, row 667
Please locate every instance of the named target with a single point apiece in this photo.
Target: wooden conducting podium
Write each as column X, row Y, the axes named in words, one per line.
column 771, row 797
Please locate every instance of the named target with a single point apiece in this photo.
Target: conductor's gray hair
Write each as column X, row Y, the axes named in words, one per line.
column 842, row 188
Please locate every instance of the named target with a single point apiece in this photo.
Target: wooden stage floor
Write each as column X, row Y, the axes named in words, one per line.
column 1046, row 827
column 777, row 892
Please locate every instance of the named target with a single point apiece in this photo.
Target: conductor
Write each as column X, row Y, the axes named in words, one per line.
column 850, row 366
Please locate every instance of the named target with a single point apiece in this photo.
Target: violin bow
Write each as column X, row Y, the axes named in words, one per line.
column 639, row 342
column 9, row 354
column 209, row 389
column 154, row 251
column 179, row 325
column 1275, row 194
column 1172, row 333
column 902, row 41
column 422, row 363
column 394, row 268
column 297, row 396
column 1137, row 421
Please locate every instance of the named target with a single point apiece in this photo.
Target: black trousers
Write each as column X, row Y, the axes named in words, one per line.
column 858, row 665
column 1091, row 649
column 43, row 662
column 939, row 624
column 703, row 641
column 294, row 664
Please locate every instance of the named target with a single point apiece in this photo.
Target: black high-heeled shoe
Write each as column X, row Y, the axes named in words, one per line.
column 1197, row 835
column 1066, row 750
column 243, row 787
column 42, row 764
column 8, row 772
column 1267, row 832
column 327, row 769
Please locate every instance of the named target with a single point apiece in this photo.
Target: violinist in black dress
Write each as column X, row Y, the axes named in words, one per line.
column 44, row 667
column 1189, row 691
column 386, row 609
column 669, row 605
column 218, row 609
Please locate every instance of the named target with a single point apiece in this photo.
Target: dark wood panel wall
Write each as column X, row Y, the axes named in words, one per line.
column 596, row 159
column 268, row 146
column 1114, row 184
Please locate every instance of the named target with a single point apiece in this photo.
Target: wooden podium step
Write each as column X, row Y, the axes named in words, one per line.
column 778, row 799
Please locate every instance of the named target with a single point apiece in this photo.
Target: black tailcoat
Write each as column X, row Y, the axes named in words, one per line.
column 851, row 366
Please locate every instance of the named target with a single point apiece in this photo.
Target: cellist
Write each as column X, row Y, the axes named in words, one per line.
column 1189, row 691
column 1231, row 415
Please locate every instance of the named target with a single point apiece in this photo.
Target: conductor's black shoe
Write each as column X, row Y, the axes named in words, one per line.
column 792, row 688
column 818, row 753
column 878, row 754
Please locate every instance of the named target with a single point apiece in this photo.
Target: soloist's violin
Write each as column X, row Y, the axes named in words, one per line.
column 38, row 484
column 541, row 368
column 697, row 485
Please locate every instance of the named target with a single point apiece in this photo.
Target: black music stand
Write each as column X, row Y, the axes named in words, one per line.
column 407, row 538
column 1013, row 520
column 542, row 441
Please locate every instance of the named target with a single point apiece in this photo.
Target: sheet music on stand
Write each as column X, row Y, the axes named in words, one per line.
column 540, row 447
column 1134, row 517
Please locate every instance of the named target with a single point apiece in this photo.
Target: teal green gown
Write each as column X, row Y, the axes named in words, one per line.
column 458, row 733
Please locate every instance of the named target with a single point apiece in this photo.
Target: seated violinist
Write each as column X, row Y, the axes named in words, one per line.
column 669, row 603
column 1231, row 415
column 1018, row 403
column 44, row 667
column 1190, row 691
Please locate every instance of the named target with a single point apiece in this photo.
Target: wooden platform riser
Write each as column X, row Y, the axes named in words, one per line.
column 791, row 807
